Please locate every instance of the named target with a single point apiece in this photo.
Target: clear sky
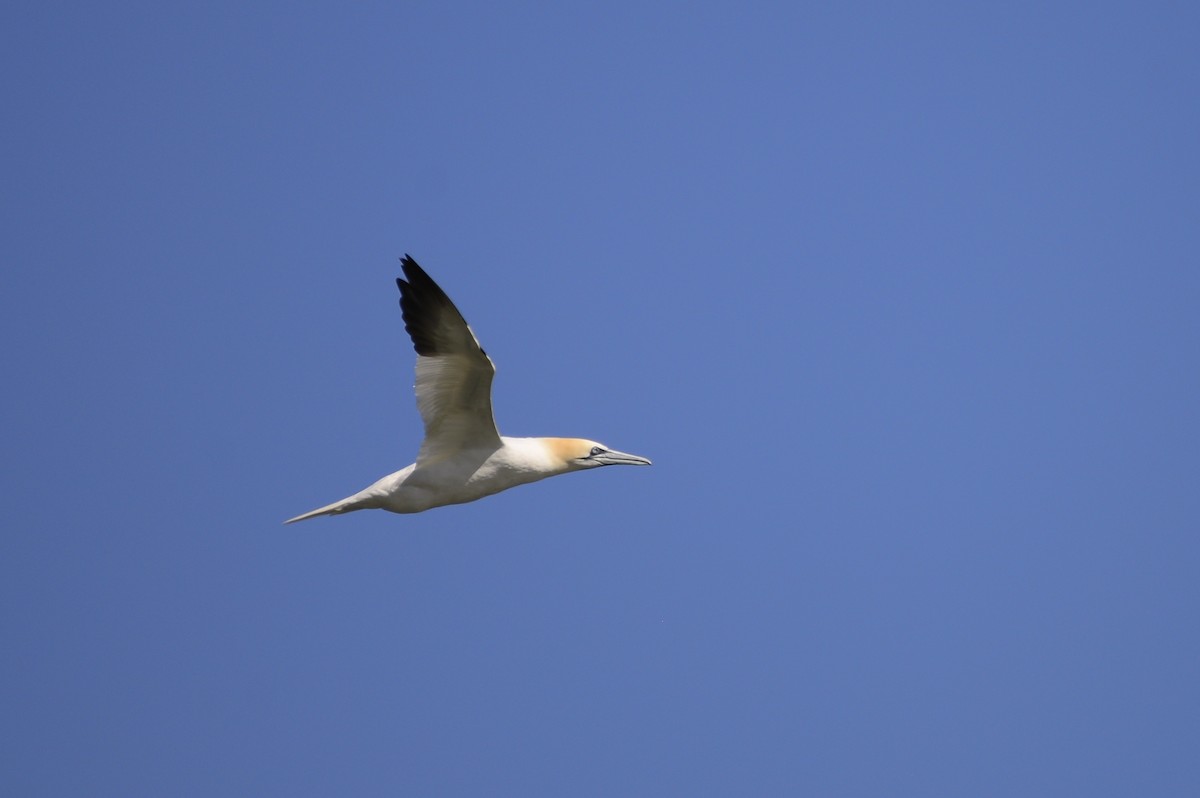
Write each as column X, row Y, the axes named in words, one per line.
column 901, row 299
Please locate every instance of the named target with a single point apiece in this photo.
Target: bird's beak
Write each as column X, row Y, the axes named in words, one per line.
column 619, row 458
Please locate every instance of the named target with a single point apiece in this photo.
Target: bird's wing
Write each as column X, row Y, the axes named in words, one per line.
column 454, row 374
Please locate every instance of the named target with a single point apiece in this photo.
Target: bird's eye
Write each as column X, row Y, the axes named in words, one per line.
column 596, row 450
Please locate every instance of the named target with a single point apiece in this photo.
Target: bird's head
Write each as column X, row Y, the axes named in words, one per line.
column 577, row 454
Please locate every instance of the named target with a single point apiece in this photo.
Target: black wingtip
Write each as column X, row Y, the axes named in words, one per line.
column 422, row 304
column 412, row 270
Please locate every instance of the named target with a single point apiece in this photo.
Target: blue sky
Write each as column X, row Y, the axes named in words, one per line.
column 902, row 301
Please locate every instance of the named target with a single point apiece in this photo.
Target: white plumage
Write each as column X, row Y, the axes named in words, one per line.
column 463, row 456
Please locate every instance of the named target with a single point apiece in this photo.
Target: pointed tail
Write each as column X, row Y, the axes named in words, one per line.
column 346, row 505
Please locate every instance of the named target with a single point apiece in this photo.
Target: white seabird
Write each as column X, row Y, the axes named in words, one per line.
column 464, row 457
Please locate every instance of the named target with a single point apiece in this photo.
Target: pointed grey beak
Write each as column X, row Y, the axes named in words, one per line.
column 619, row 458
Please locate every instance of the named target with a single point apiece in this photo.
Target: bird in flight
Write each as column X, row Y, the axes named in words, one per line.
column 463, row 457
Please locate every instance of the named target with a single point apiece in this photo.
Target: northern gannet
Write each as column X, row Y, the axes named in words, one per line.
column 463, row 456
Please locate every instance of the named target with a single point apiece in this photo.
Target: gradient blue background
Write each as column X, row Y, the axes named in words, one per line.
column 901, row 299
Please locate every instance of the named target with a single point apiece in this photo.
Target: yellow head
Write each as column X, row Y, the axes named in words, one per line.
column 578, row 453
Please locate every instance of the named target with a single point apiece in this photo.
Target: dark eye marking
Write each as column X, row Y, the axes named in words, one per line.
column 595, row 451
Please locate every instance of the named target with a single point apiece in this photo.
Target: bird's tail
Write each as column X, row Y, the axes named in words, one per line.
column 346, row 505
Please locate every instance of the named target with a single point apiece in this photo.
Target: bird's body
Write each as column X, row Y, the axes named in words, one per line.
column 463, row 457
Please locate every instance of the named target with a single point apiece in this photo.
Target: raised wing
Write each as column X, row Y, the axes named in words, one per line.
column 454, row 374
